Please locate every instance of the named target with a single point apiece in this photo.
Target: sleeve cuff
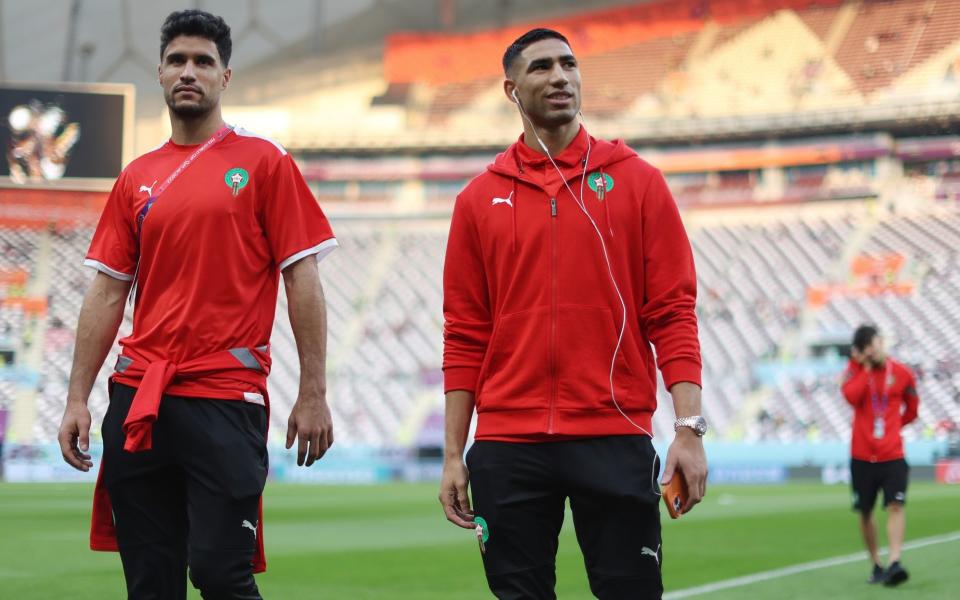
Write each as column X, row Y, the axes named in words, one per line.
column 96, row 264
column 680, row 370
column 321, row 250
column 460, row 378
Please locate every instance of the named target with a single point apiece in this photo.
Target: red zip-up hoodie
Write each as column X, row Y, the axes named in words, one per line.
column 900, row 392
column 531, row 316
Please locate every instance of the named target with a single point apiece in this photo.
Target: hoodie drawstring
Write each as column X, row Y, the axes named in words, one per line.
column 516, row 201
column 606, row 203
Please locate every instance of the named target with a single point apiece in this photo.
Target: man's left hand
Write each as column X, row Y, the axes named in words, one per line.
column 311, row 424
column 686, row 453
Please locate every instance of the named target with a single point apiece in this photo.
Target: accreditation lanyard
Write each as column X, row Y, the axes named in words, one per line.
column 881, row 402
column 214, row 139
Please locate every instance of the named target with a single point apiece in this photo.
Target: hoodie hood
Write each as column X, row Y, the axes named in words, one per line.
column 584, row 155
column 548, row 323
column 521, row 162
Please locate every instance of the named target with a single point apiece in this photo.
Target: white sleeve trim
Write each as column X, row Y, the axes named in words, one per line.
column 321, row 250
column 96, row 264
column 245, row 133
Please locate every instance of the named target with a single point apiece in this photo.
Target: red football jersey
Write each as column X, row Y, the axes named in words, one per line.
column 210, row 251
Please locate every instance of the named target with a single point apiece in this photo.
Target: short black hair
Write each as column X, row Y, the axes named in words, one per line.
column 198, row 23
column 519, row 44
column 863, row 336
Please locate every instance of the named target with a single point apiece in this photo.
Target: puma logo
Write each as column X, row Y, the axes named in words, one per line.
column 247, row 524
column 148, row 189
column 508, row 200
column 648, row 552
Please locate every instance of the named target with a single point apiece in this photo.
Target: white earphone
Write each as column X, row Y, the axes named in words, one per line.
column 623, row 305
column 603, row 245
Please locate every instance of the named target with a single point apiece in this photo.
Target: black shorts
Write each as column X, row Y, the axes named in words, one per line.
column 193, row 499
column 520, row 491
column 867, row 479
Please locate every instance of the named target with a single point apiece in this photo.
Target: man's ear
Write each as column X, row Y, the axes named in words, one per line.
column 510, row 89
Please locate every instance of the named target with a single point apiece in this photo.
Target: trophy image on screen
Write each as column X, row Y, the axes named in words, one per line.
column 40, row 142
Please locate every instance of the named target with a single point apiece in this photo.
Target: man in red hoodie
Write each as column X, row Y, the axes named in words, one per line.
column 566, row 260
column 883, row 394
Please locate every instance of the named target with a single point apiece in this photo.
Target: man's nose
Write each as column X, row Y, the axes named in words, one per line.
column 558, row 76
column 188, row 73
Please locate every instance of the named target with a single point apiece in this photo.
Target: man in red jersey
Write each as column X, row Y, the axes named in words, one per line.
column 883, row 394
column 202, row 227
column 566, row 259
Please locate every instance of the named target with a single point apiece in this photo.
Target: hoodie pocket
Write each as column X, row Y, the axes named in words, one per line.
column 516, row 373
column 586, row 340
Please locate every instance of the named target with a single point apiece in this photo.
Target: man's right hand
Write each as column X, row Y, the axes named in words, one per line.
column 311, row 423
column 74, row 436
column 861, row 357
column 453, row 493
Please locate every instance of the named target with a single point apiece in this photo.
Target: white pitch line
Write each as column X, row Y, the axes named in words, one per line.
column 736, row 582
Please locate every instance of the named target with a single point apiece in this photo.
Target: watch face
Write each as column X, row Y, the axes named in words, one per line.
column 700, row 426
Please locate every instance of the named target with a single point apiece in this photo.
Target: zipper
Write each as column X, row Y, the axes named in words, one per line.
column 554, row 383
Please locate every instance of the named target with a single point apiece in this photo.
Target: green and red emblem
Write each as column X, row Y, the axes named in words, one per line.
column 600, row 183
column 236, row 178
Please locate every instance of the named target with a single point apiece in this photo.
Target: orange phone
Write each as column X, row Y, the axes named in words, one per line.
column 675, row 494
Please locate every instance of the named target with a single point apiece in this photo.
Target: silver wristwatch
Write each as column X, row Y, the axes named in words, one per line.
column 697, row 423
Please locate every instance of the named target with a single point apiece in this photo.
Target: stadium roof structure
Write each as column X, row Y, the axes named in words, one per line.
column 47, row 41
column 376, row 76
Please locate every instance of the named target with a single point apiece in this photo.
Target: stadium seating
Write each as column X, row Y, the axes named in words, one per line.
column 923, row 330
column 888, row 39
column 691, row 60
column 65, row 296
column 383, row 291
column 687, row 62
column 18, row 250
column 616, row 80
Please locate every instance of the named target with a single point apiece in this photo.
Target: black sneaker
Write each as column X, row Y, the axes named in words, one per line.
column 895, row 575
column 878, row 575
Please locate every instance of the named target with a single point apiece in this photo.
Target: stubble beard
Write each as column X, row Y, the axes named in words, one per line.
column 553, row 121
column 189, row 111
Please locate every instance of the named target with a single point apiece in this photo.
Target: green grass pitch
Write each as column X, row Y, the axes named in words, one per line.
column 392, row 542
